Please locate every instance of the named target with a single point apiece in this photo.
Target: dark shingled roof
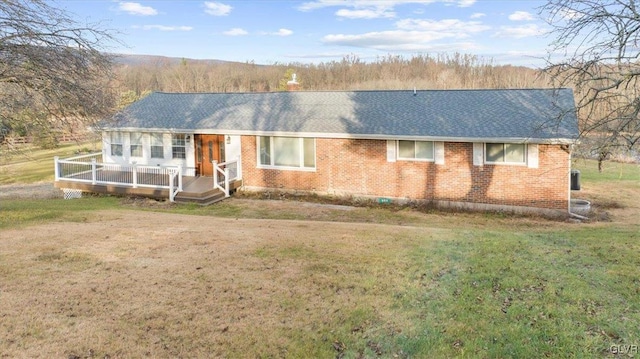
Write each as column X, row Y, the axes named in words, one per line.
column 464, row 115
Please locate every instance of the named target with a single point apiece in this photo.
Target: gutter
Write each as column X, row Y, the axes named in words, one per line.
column 529, row 140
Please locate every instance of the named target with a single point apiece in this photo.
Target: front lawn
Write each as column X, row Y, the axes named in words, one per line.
column 102, row 277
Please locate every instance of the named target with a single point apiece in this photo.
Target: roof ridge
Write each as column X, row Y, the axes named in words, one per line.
column 367, row 91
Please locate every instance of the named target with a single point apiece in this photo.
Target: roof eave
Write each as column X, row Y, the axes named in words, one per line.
column 532, row 140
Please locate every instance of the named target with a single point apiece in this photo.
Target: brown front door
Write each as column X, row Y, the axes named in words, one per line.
column 209, row 148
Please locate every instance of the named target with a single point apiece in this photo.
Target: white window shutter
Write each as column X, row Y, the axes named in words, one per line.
column 438, row 151
column 478, row 153
column 532, row 155
column 391, row 151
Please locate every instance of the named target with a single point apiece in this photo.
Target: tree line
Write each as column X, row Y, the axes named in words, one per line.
column 460, row 71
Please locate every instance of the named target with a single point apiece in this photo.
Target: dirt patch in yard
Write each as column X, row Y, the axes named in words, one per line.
column 43, row 190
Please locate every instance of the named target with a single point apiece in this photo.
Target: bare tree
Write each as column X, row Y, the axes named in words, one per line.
column 599, row 41
column 53, row 70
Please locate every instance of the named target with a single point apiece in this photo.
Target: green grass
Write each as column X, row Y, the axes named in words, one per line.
column 25, row 212
column 29, row 165
column 528, row 294
column 611, row 171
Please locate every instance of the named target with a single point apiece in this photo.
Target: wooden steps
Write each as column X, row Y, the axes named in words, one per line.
column 201, row 198
column 202, row 193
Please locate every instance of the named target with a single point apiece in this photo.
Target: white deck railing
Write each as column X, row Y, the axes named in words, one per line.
column 91, row 169
column 224, row 173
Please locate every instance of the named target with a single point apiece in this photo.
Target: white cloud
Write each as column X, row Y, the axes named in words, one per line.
column 396, row 40
column 452, row 27
column 403, row 41
column 164, row 27
column 281, row 32
column 236, row 31
column 414, row 35
column 466, row 3
column 134, row 8
column 373, row 9
column 319, row 4
column 216, row 8
column 366, row 13
column 519, row 32
column 477, row 15
column 521, row 16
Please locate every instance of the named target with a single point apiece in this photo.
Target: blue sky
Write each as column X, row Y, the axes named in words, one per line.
column 270, row 31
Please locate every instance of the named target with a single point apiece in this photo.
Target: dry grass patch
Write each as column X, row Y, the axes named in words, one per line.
column 134, row 284
column 123, row 283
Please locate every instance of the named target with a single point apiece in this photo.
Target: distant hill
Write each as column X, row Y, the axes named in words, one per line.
column 134, row 60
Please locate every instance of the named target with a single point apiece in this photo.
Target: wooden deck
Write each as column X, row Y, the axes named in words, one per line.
column 195, row 189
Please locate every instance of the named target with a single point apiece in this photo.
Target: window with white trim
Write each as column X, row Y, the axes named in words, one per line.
column 287, row 152
column 157, row 145
column 415, row 150
column 116, row 143
column 178, row 146
column 136, row 144
column 507, row 153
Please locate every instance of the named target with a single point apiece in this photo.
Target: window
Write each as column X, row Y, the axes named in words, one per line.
column 287, row 152
column 179, row 146
column 136, row 144
column 157, row 147
column 514, row 153
column 415, row 150
column 116, row 143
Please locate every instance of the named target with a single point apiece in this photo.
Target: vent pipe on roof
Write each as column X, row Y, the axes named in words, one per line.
column 293, row 84
column 415, row 91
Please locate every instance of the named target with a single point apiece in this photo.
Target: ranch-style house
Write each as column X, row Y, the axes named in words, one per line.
column 491, row 149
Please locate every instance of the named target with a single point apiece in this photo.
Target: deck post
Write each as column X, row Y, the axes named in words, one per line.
column 180, row 178
column 226, row 181
column 215, row 173
column 172, row 196
column 93, row 171
column 56, row 169
column 134, row 175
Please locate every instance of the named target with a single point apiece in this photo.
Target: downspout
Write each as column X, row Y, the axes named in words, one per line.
column 574, row 215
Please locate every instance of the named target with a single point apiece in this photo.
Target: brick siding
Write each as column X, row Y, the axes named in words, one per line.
column 360, row 168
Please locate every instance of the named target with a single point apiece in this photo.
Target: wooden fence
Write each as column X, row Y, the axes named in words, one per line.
column 13, row 141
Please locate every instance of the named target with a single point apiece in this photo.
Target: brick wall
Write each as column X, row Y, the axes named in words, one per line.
column 360, row 167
